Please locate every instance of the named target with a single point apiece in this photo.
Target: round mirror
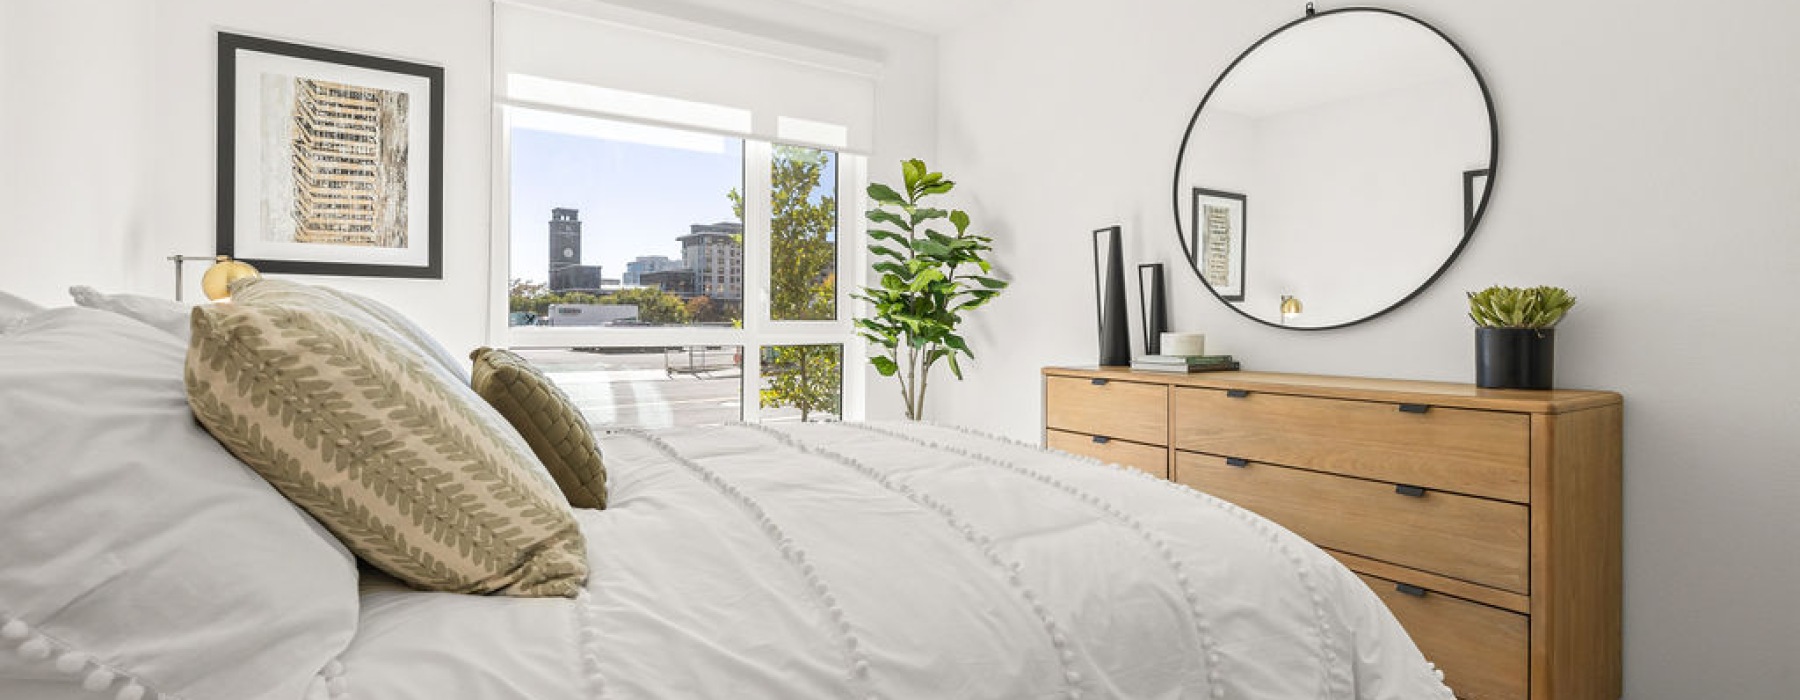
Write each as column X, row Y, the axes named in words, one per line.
column 1335, row 169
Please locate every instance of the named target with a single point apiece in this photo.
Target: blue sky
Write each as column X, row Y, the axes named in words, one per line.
column 635, row 199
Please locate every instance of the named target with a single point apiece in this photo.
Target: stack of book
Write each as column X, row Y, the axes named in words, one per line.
column 1183, row 364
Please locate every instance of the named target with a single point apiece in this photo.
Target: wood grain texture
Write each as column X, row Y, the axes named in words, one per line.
column 1494, row 597
column 1475, row 539
column 1126, row 410
column 1483, row 651
column 1482, row 453
column 1548, row 628
column 1148, row 458
column 1576, row 562
column 1449, row 394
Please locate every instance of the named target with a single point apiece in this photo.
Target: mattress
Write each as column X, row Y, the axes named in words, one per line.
column 896, row 561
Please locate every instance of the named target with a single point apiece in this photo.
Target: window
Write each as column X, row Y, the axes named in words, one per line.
column 643, row 261
column 670, row 240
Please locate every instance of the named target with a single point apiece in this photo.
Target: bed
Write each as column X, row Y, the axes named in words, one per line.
column 837, row 560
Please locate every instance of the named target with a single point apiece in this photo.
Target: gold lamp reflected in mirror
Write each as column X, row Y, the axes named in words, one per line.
column 1290, row 307
column 216, row 282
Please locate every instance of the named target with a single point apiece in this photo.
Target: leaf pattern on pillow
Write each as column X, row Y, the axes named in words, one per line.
column 410, row 469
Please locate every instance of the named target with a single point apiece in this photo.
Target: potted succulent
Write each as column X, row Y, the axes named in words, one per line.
column 1515, row 335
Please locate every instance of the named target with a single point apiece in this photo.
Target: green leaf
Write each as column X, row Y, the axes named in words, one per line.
column 911, row 171
column 959, row 219
column 887, row 252
column 989, row 282
column 884, row 194
column 924, row 214
column 886, row 366
column 883, row 216
column 938, row 188
column 955, row 369
column 891, row 268
column 882, row 234
column 925, row 278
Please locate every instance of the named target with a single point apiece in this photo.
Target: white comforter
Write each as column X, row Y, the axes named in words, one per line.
column 900, row 562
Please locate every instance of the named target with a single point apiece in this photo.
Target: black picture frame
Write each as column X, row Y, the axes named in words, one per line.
column 331, row 78
column 1237, row 256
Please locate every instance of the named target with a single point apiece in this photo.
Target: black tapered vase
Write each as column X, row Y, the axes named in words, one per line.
column 1514, row 358
column 1115, row 331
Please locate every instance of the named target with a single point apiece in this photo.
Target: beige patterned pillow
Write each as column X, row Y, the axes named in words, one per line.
column 408, row 467
column 548, row 420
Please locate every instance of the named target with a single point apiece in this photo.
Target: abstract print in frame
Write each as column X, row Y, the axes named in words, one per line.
column 1217, row 240
column 329, row 161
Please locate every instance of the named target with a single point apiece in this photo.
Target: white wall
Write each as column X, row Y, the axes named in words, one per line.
column 109, row 164
column 107, row 140
column 1649, row 161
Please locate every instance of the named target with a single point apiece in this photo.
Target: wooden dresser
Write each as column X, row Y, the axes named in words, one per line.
column 1487, row 520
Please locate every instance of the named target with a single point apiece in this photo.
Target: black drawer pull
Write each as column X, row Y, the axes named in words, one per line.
column 1237, row 462
column 1413, row 491
column 1409, row 589
column 1098, row 382
column 1237, row 393
column 1101, row 439
column 1414, row 407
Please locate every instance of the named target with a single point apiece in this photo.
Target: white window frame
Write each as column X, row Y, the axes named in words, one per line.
column 758, row 330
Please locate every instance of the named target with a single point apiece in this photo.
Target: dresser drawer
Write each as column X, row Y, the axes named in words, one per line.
column 1474, row 539
column 1148, row 458
column 1483, row 453
column 1481, row 650
column 1133, row 411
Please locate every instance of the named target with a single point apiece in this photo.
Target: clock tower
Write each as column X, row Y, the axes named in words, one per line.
column 567, row 274
column 565, row 238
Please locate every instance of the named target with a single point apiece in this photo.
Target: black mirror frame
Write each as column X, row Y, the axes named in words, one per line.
column 1493, row 167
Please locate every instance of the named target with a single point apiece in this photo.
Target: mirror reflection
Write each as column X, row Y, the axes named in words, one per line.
column 1336, row 168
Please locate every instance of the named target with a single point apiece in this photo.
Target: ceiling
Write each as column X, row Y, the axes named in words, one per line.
column 929, row 16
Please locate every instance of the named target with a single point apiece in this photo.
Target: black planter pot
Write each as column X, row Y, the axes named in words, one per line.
column 1514, row 358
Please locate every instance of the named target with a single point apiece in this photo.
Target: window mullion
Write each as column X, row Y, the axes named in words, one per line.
column 853, row 267
column 757, row 212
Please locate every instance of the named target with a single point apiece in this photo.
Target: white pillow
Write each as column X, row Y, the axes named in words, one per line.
column 166, row 315
column 141, row 559
column 13, row 309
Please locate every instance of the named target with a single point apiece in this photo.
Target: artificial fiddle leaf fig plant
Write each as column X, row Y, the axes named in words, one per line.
column 932, row 272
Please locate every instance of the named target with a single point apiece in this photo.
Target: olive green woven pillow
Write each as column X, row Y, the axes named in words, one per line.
column 405, row 464
column 548, row 420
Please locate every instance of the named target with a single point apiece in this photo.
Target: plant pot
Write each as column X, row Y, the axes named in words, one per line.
column 1514, row 358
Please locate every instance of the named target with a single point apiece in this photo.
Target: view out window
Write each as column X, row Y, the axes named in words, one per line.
column 803, row 234
column 621, row 225
column 802, row 382
column 648, row 387
column 640, row 282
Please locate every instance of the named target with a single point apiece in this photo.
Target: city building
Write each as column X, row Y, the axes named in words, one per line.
column 714, row 253
column 567, row 274
column 678, row 281
column 635, row 269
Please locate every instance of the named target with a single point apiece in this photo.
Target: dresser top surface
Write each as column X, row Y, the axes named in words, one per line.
column 1450, row 394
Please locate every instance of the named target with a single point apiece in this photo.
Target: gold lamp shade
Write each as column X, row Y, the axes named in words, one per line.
column 218, row 278
column 1290, row 305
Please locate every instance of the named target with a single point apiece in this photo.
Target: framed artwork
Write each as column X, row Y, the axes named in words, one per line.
column 1217, row 240
column 329, row 161
column 1475, row 184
